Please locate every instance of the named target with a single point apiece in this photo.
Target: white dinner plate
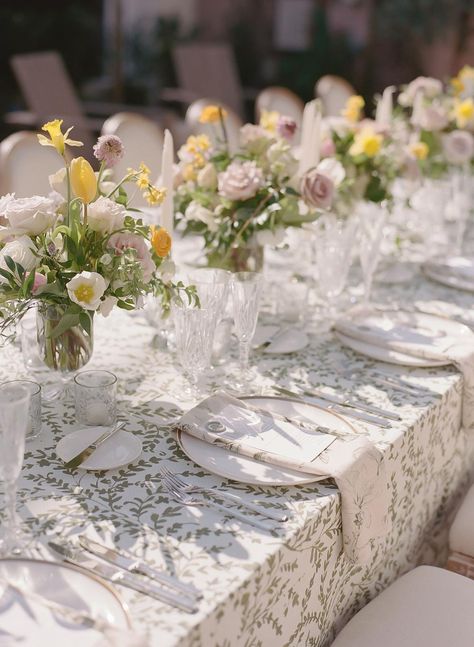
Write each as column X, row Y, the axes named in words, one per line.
column 421, row 323
column 451, row 280
column 287, row 339
column 121, row 449
column 27, row 622
column 248, row 470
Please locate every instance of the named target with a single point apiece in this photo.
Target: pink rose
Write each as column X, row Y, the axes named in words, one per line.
column 122, row 241
column 240, row 181
column 328, row 148
column 458, row 146
column 317, row 189
column 286, row 127
column 431, row 117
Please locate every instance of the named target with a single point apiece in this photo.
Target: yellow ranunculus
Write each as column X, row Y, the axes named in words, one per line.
column 58, row 139
column 464, row 112
column 366, row 142
column 353, row 108
column 160, row 241
column 269, row 120
column 211, row 114
column 419, row 150
column 83, row 179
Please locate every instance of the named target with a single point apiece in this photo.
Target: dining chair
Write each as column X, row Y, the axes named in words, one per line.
column 334, row 91
column 25, row 165
column 461, row 538
column 282, row 100
column 233, row 122
column 143, row 142
column 428, row 606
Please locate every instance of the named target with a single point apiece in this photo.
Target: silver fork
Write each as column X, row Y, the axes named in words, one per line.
column 187, row 487
column 189, row 500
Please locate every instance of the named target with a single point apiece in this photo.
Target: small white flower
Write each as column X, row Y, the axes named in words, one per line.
column 30, row 216
column 333, row 169
column 195, row 211
column 21, row 251
column 86, row 289
column 105, row 215
column 106, row 306
column 58, row 182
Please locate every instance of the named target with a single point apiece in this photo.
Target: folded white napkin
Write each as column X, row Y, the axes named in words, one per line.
column 410, row 341
column 354, row 463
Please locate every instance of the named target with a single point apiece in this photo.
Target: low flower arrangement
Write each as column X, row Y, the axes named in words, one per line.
column 80, row 251
column 242, row 197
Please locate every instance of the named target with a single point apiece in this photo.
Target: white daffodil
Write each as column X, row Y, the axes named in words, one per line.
column 86, row 289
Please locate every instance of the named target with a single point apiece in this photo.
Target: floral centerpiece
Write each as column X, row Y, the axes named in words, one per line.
column 80, row 251
column 239, row 200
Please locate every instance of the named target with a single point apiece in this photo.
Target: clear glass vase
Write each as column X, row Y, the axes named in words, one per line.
column 243, row 257
column 68, row 351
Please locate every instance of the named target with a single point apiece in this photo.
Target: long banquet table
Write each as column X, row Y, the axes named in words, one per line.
column 289, row 587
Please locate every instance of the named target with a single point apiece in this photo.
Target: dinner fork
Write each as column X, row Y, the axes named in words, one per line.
column 189, row 500
column 187, row 487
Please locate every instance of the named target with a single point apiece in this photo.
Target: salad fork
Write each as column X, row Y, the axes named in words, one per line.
column 190, row 489
column 189, row 500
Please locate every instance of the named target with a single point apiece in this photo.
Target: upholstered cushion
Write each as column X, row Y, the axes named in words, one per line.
column 427, row 607
column 461, row 535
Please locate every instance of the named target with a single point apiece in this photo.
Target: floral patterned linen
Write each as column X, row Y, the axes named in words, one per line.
column 293, row 586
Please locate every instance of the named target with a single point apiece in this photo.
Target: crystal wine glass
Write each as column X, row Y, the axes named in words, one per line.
column 14, row 416
column 194, row 329
column 246, row 291
column 372, row 220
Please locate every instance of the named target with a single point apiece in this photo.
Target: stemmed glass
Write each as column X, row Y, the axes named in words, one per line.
column 194, row 329
column 14, row 416
column 372, row 220
column 458, row 209
column 246, row 291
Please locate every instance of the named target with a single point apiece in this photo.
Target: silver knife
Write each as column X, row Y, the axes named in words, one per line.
column 74, row 556
column 133, row 564
column 353, row 403
column 273, row 337
column 90, row 449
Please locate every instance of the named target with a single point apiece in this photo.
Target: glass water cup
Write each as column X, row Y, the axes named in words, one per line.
column 34, row 423
column 95, row 396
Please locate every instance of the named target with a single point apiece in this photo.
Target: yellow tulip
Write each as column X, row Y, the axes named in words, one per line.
column 160, row 241
column 211, row 114
column 58, row 139
column 83, row 179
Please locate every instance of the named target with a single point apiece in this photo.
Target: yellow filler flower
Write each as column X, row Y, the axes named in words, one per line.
column 58, row 139
column 212, row 114
column 366, row 142
column 160, row 241
column 83, row 180
column 353, row 108
column 419, row 150
column 269, row 120
column 464, row 112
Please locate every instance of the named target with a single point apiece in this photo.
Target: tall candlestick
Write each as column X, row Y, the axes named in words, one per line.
column 167, row 161
column 310, row 136
column 383, row 115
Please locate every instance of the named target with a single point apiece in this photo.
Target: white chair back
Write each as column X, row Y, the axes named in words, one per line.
column 143, row 142
column 334, row 91
column 233, row 123
column 281, row 100
column 25, row 165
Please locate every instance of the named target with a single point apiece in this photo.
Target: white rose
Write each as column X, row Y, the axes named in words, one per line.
column 254, row 138
column 31, row 216
column 272, row 238
column 207, row 177
column 333, row 169
column 105, row 216
column 4, row 202
column 458, row 147
column 240, row 181
column 58, row 182
column 21, row 251
column 86, row 289
column 195, row 211
column 106, row 306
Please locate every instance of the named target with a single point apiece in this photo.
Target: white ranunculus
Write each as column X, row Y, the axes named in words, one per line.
column 458, row 146
column 21, row 251
column 240, row 180
column 426, row 85
column 207, row 177
column 31, row 216
column 167, row 270
column 58, row 182
column 333, row 169
column 86, row 289
column 271, row 237
column 105, row 216
column 281, row 159
column 195, row 211
column 106, row 306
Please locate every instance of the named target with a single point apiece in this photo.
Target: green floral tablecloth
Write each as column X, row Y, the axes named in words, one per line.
column 290, row 587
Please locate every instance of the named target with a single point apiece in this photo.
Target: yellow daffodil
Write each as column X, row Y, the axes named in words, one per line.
column 419, row 150
column 366, row 142
column 464, row 112
column 154, row 196
column 212, row 114
column 353, row 108
column 57, row 139
column 160, row 241
column 269, row 120
column 83, row 180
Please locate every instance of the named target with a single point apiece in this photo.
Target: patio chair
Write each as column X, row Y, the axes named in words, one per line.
column 461, row 538
column 333, row 92
column 233, row 123
column 283, row 101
